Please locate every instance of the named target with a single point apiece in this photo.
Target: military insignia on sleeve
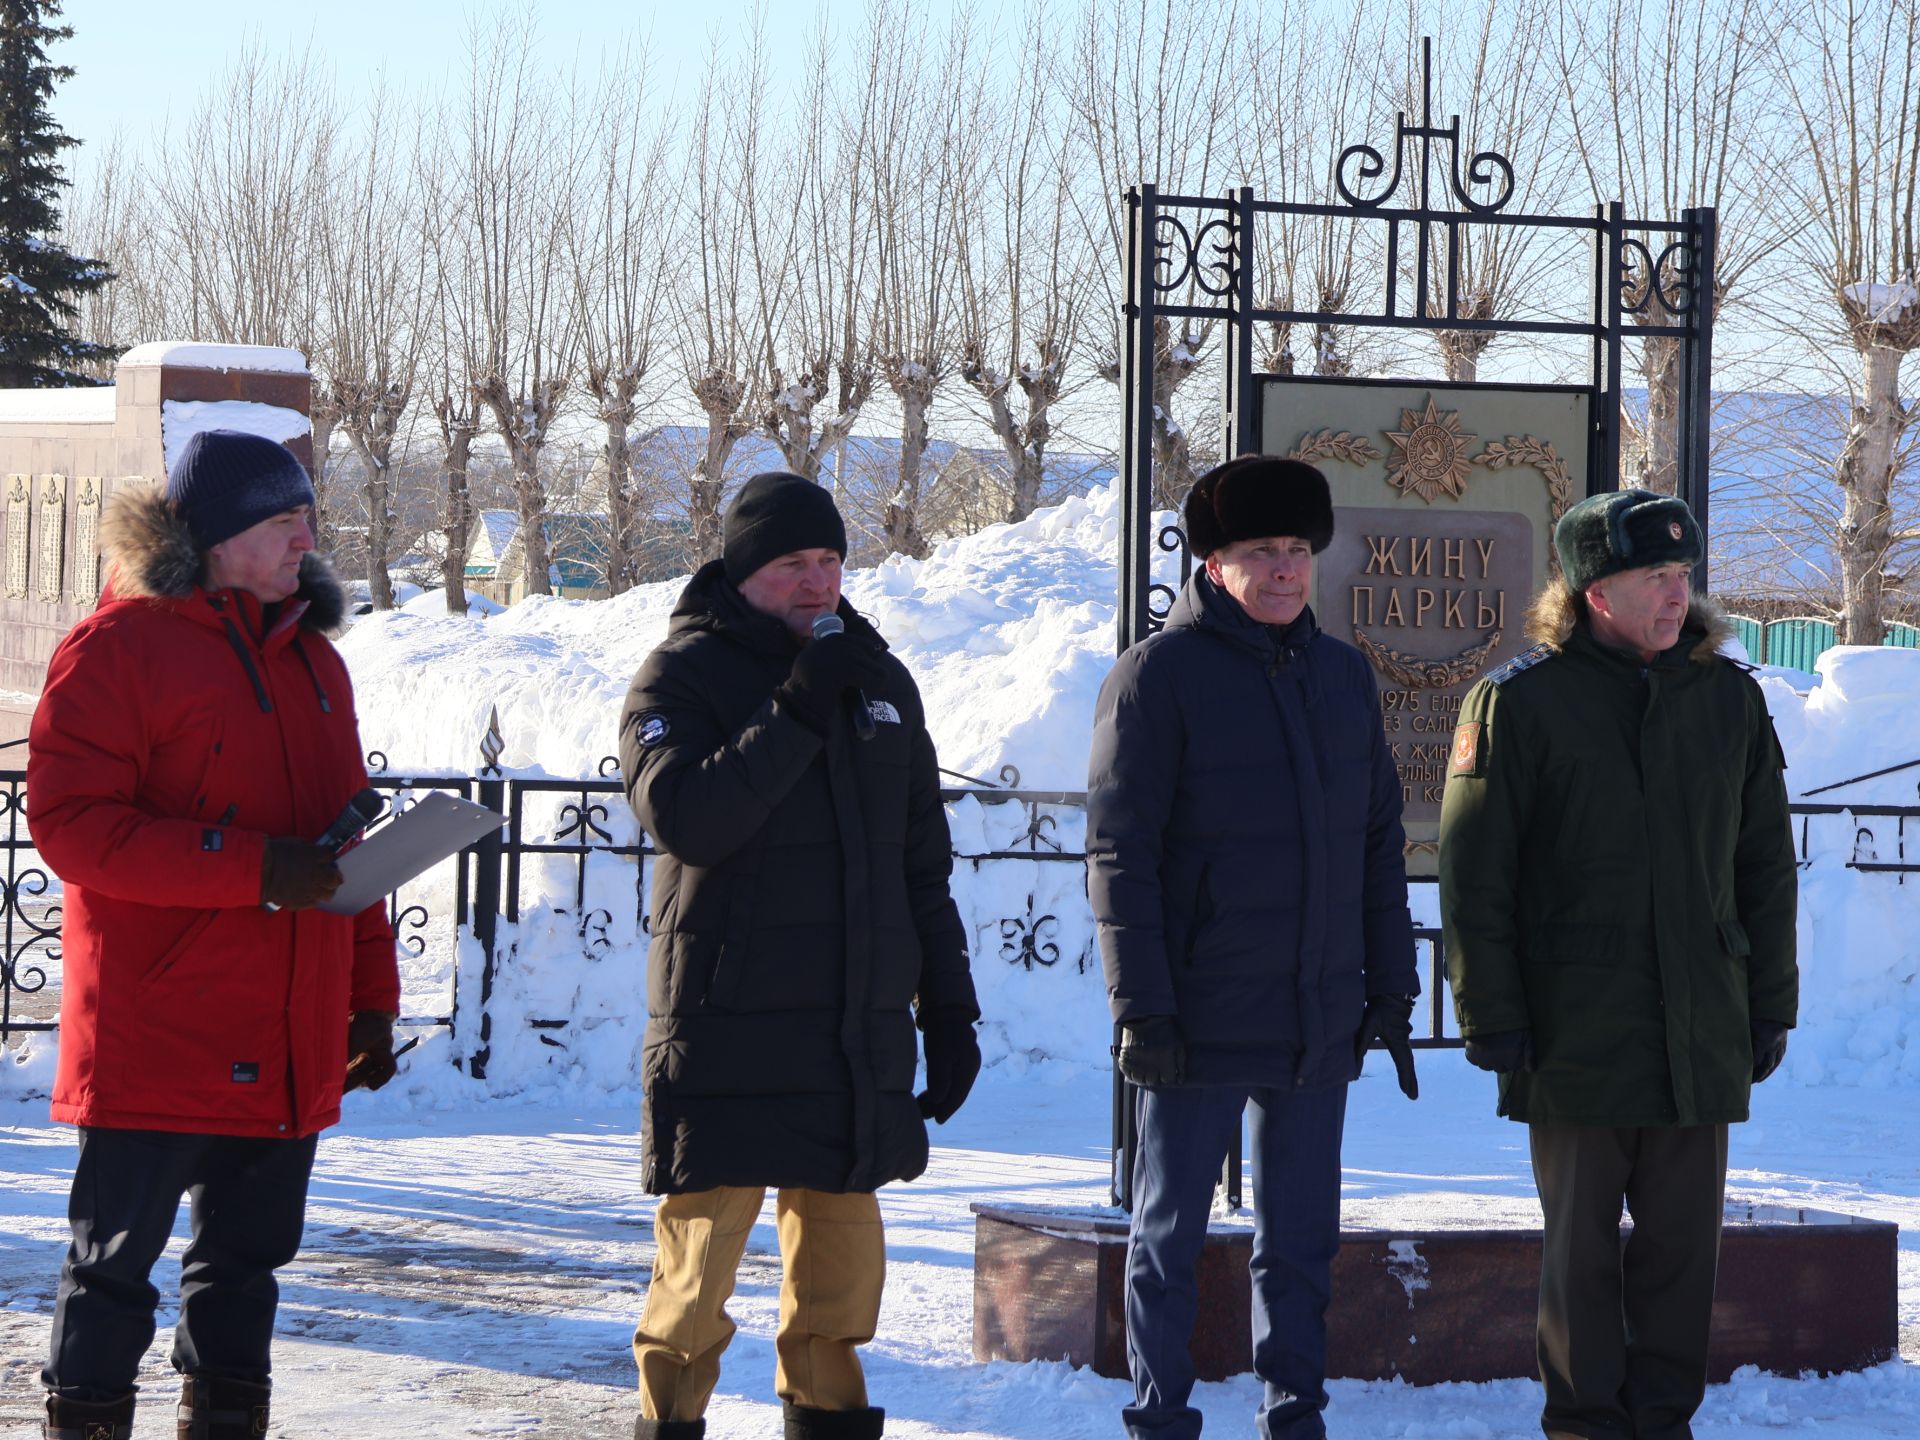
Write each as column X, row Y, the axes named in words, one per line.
column 1466, row 748
column 1519, row 664
column 653, row 728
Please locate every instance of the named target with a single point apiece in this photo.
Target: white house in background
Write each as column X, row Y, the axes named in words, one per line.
column 576, row 556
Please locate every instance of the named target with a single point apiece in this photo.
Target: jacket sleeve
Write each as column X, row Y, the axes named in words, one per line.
column 1483, row 815
column 1138, row 744
column 89, row 748
column 699, row 790
column 946, row 978
column 1766, row 877
column 1390, row 965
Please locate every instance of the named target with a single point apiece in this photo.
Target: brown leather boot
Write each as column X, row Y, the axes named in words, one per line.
column 89, row 1419
column 214, row 1409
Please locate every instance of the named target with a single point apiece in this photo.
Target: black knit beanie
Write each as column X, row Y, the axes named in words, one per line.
column 775, row 514
column 226, row 481
column 1257, row 496
column 1625, row 530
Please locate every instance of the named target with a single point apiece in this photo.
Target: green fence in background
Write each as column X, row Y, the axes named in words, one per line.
column 1796, row 642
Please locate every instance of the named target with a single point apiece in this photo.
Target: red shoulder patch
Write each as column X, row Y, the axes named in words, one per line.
column 1466, row 748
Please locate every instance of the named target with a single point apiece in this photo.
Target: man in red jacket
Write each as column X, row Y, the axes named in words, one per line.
column 191, row 732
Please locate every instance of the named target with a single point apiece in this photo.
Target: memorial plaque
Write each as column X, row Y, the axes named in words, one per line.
column 53, row 537
column 86, row 540
column 19, row 509
column 1444, row 501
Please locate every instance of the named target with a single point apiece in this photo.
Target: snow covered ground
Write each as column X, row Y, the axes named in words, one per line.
column 478, row 1272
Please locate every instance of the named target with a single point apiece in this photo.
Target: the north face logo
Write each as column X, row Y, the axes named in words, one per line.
column 883, row 712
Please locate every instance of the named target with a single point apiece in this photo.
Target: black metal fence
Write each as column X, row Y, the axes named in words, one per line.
column 560, row 833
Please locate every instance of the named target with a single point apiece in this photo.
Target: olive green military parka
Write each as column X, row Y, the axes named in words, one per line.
column 1617, row 873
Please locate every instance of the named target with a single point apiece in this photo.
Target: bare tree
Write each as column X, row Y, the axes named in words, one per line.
column 519, row 165
column 235, row 204
column 1852, row 80
column 920, row 140
column 1153, row 103
column 1662, row 108
column 109, row 215
column 713, row 323
column 621, row 282
column 372, row 261
column 813, row 252
column 1023, row 262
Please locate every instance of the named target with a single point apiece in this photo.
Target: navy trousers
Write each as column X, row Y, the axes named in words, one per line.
column 249, row 1206
column 1184, row 1134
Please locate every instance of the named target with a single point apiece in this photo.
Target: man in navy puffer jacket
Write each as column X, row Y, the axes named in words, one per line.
column 1245, row 862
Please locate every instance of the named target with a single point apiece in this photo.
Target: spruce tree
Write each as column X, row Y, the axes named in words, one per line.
column 39, row 279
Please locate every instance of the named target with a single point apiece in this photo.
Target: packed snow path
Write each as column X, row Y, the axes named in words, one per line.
column 479, row 1272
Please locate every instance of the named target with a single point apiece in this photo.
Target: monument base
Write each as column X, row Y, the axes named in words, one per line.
column 1798, row 1290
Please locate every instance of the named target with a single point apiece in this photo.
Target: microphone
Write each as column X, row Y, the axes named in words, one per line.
column 831, row 624
column 362, row 810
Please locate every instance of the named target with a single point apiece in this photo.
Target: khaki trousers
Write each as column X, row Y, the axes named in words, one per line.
column 833, row 1258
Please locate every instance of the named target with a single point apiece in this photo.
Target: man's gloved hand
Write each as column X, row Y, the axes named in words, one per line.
column 1389, row 1019
column 297, row 874
column 370, row 1059
column 1502, row 1051
column 953, row 1064
column 1153, row 1051
column 823, row 671
column 1769, row 1047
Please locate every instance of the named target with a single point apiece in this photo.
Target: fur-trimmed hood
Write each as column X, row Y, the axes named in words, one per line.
column 151, row 555
column 1556, row 612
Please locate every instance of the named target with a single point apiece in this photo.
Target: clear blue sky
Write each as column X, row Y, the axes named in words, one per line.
column 136, row 60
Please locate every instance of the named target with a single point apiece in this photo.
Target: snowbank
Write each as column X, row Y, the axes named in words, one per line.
column 181, row 420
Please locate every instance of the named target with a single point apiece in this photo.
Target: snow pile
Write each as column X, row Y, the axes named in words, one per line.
column 181, row 420
column 60, row 405
column 1008, row 632
column 1859, row 945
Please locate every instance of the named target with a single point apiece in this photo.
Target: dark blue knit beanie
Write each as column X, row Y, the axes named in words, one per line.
column 226, row 481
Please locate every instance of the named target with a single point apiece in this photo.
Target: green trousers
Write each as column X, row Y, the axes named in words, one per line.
column 1623, row 1328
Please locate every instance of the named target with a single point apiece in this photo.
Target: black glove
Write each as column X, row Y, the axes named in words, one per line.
column 297, row 874
column 1503, row 1051
column 1152, row 1051
column 823, row 671
column 1389, row 1019
column 1769, row 1047
column 953, row 1063
column 370, row 1059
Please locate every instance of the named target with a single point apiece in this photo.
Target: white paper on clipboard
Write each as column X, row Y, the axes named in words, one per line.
column 423, row 836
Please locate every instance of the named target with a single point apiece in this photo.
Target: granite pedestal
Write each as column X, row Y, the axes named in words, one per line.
column 1798, row 1290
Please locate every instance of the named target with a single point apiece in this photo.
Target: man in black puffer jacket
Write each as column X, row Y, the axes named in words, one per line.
column 1244, row 856
column 801, row 924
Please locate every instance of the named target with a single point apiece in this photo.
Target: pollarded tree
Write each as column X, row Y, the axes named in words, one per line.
column 39, row 279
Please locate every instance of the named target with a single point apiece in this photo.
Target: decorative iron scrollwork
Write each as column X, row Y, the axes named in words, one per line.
column 1022, row 942
column 1185, row 247
column 1671, row 277
column 413, row 918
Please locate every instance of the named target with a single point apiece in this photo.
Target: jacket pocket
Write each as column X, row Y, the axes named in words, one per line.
column 730, row 963
column 182, row 943
column 1733, row 938
column 1202, row 912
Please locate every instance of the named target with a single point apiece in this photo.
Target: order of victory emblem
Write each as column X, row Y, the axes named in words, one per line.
column 1430, row 454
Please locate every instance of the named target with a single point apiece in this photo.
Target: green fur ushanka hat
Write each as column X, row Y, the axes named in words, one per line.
column 1625, row 530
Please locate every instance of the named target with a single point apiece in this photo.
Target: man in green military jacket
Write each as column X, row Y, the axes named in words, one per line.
column 1617, row 888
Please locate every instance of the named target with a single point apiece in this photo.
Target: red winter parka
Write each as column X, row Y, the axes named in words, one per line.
column 175, row 734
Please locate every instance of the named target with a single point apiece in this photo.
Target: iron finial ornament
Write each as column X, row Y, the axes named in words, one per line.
column 1487, row 168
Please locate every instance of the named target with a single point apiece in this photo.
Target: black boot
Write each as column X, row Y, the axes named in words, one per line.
column 89, row 1419
column 669, row 1429
column 215, row 1409
column 806, row 1423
